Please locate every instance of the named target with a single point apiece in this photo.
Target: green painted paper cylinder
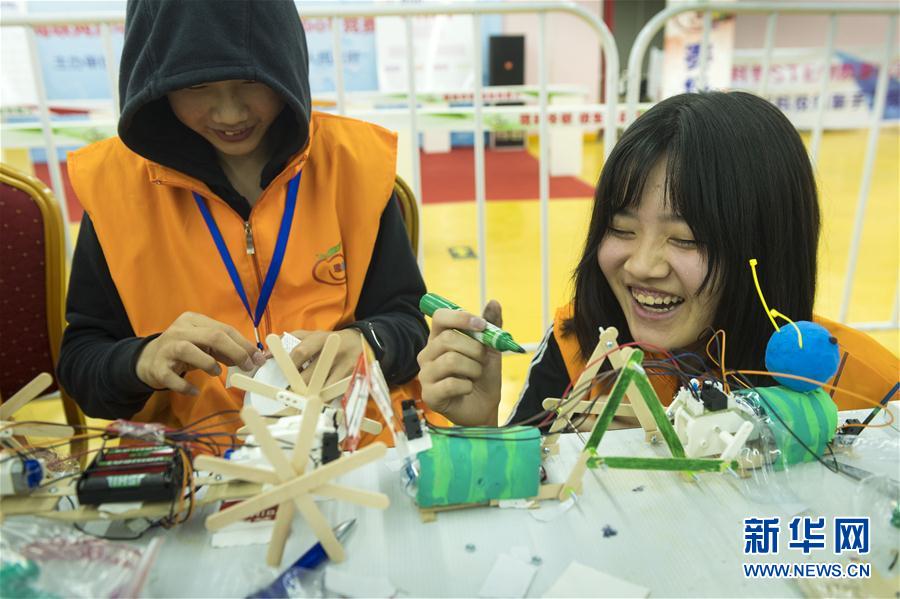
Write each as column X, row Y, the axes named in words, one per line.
column 811, row 415
column 476, row 465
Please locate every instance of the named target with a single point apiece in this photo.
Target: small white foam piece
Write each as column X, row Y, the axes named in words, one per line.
column 552, row 513
column 270, row 374
column 579, row 580
column 349, row 584
column 510, row 577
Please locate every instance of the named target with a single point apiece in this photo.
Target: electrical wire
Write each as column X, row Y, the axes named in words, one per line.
column 819, row 383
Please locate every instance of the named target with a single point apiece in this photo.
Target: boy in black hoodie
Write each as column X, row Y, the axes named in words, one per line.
column 224, row 211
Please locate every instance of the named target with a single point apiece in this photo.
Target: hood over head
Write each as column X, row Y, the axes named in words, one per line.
column 173, row 44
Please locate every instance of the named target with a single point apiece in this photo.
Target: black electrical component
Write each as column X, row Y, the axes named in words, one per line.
column 330, row 449
column 132, row 473
column 712, row 397
column 411, row 423
column 848, row 427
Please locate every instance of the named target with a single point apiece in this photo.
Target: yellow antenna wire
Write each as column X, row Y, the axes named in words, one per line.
column 778, row 314
column 753, row 263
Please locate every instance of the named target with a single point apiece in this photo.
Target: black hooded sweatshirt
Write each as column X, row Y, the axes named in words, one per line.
column 169, row 45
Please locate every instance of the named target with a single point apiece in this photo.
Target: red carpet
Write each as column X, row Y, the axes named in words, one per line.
column 509, row 174
column 449, row 177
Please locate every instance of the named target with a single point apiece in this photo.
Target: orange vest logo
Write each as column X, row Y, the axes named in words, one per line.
column 330, row 268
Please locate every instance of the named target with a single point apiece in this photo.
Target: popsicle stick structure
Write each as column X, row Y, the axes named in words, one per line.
column 633, row 374
column 631, row 382
column 20, row 399
column 578, row 402
column 299, row 394
column 294, row 487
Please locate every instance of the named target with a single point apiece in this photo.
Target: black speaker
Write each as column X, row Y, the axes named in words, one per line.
column 507, row 60
column 507, row 67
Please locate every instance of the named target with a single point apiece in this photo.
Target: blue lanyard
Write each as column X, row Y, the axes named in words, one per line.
column 284, row 232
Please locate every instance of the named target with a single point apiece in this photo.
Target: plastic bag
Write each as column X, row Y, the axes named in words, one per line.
column 43, row 559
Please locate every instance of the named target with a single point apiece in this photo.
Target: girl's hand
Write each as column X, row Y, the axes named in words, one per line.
column 194, row 341
column 460, row 377
column 344, row 361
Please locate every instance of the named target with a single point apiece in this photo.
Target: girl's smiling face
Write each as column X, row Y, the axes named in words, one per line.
column 656, row 268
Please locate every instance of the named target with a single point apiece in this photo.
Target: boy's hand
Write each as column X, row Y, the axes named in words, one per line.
column 461, row 377
column 344, row 361
column 194, row 341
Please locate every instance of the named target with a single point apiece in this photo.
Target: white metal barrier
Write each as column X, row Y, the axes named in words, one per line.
column 337, row 13
column 773, row 9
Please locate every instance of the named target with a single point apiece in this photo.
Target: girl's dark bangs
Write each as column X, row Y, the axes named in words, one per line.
column 680, row 201
column 689, row 203
column 630, row 177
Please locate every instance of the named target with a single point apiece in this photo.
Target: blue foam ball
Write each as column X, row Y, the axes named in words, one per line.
column 818, row 360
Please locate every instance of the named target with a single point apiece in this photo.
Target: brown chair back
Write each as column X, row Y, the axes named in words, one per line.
column 410, row 211
column 32, row 287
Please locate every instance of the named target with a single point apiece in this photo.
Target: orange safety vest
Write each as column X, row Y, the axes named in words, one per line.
column 164, row 262
column 870, row 369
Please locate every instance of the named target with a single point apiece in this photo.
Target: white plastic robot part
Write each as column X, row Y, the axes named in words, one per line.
column 735, row 442
column 701, row 435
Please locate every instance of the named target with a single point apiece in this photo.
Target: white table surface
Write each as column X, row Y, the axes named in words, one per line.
column 676, row 538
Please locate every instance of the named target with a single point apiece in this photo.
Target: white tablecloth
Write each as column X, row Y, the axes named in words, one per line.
column 675, row 537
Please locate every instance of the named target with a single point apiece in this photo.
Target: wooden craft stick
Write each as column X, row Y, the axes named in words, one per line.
column 285, row 471
column 590, row 407
column 239, row 471
column 24, row 395
column 12, row 443
column 635, row 400
column 335, row 390
column 301, row 484
column 242, row 381
column 320, row 527
column 283, row 520
column 35, row 430
column 379, row 501
column 306, row 434
column 549, row 491
column 373, row 427
column 323, row 364
column 257, row 475
column 283, row 359
column 605, row 344
column 573, row 483
column 266, row 442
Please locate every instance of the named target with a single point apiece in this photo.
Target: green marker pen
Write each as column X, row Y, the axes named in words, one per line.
column 491, row 336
